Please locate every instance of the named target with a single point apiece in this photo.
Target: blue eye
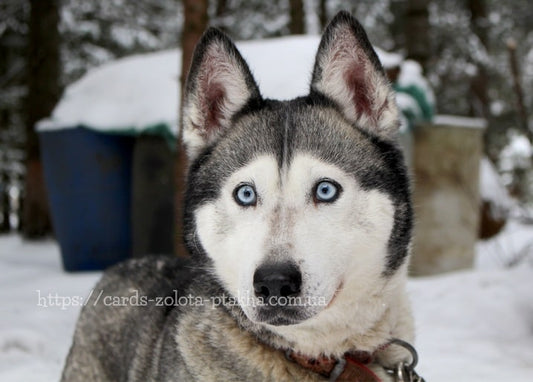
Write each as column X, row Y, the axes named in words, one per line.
column 327, row 191
column 245, row 195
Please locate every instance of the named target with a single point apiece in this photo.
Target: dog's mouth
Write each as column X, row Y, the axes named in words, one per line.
column 288, row 306
column 277, row 316
column 292, row 314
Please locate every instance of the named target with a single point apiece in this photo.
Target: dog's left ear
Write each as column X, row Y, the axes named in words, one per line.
column 219, row 84
column 348, row 71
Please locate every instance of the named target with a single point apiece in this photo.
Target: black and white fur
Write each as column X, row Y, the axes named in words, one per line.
column 351, row 253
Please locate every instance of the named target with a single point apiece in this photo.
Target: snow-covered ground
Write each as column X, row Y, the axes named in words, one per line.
column 472, row 326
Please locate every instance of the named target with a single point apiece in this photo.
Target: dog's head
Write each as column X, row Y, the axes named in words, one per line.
column 301, row 207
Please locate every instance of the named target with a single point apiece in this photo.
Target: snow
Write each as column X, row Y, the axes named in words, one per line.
column 282, row 66
column 389, row 60
column 492, row 189
column 407, row 103
column 132, row 93
column 497, row 107
column 457, row 121
column 411, row 75
column 473, row 325
column 512, row 246
column 141, row 91
column 33, row 339
column 517, row 153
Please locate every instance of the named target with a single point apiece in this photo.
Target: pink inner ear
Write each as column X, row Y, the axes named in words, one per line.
column 211, row 94
column 359, row 86
column 212, row 107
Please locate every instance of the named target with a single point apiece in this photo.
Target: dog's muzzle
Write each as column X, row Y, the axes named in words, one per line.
column 277, row 286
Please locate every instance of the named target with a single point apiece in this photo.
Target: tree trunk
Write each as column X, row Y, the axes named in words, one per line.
column 297, row 17
column 221, row 8
column 479, row 106
column 417, row 30
column 323, row 14
column 4, row 176
column 479, row 91
column 397, row 27
column 44, row 90
column 5, row 225
column 517, row 86
column 195, row 23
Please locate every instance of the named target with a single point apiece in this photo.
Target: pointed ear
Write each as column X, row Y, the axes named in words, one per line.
column 348, row 71
column 219, row 84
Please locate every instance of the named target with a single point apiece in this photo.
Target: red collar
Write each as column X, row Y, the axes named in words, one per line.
column 353, row 367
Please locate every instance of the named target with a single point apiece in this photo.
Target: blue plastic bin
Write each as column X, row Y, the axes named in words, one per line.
column 88, row 180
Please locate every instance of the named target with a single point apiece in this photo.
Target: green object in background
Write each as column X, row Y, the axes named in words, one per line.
column 425, row 110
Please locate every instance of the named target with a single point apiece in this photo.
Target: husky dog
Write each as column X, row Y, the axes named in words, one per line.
column 298, row 222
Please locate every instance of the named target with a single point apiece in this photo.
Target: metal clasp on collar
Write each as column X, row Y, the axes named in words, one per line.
column 337, row 370
column 404, row 371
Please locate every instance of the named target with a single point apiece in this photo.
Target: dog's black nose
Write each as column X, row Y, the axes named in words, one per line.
column 277, row 280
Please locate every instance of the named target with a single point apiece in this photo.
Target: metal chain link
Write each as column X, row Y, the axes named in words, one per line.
column 405, row 372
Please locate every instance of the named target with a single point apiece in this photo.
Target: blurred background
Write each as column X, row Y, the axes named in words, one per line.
column 474, row 59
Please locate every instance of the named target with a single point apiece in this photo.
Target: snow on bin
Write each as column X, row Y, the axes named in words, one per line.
column 96, row 165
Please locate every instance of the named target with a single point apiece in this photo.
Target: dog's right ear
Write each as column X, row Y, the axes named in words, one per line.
column 219, row 84
column 347, row 70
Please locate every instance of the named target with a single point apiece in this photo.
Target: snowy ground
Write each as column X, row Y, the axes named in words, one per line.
column 472, row 326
